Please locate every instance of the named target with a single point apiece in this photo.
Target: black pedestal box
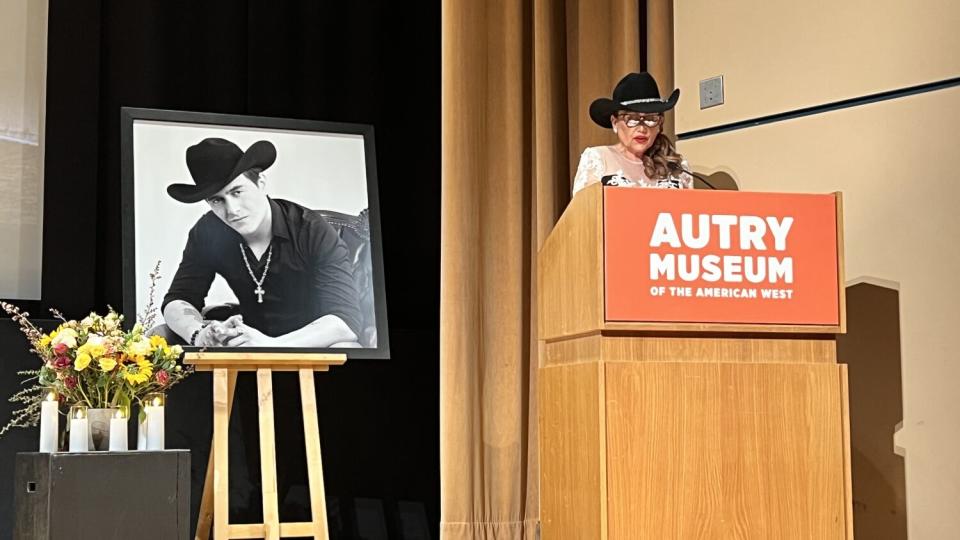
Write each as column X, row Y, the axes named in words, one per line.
column 102, row 496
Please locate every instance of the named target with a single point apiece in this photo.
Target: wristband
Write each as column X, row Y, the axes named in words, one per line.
column 193, row 336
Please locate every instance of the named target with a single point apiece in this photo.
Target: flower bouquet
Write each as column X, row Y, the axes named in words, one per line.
column 94, row 363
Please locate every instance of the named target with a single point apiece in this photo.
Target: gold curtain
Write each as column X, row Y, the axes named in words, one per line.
column 517, row 77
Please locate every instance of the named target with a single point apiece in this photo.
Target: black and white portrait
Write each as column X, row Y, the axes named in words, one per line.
column 266, row 231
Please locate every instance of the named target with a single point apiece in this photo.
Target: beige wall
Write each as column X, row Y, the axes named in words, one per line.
column 897, row 163
column 778, row 55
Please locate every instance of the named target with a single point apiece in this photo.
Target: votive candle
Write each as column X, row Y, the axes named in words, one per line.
column 142, row 431
column 49, row 422
column 79, row 429
column 118, row 430
column 154, row 405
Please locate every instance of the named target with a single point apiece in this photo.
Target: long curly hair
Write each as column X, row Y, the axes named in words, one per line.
column 661, row 160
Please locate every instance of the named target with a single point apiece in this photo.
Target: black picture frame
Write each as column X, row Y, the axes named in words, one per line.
column 168, row 121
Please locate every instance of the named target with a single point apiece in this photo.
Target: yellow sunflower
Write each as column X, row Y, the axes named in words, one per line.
column 138, row 372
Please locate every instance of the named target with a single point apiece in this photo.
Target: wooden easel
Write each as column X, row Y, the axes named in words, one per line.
column 214, row 510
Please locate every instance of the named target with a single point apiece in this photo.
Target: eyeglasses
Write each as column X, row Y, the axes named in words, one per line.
column 634, row 120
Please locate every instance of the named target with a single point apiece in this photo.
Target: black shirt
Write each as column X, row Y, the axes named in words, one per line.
column 309, row 274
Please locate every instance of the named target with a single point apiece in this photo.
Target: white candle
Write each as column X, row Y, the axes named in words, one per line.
column 118, row 432
column 154, row 411
column 142, row 433
column 79, row 433
column 49, row 423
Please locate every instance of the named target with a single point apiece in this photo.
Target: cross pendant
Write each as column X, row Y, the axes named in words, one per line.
column 259, row 292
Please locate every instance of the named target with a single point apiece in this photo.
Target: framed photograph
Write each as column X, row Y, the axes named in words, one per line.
column 267, row 232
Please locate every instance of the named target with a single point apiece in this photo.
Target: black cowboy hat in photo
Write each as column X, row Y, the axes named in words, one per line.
column 636, row 92
column 214, row 163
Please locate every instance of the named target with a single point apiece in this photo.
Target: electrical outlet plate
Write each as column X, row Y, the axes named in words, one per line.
column 711, row 92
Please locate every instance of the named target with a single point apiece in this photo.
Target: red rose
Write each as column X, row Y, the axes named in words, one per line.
column 163, row 377
column 70, row 382
column 61, row 362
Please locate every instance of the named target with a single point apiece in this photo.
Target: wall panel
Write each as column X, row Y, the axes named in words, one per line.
column 780, row 56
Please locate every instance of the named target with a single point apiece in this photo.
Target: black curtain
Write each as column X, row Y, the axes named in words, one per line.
column 366, row 61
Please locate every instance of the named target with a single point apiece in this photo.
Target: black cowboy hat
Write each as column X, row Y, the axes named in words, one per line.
column 636, row 92
column 214, row 163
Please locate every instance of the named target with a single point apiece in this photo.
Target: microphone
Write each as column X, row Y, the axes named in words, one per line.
column 701, row 178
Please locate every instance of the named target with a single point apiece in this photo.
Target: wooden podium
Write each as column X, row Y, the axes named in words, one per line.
column 711, row 424
column 215, row 504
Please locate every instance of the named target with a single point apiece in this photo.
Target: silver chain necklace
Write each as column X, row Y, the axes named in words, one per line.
column 259, row 282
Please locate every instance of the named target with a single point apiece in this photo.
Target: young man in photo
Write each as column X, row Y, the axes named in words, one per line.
column 288, row 268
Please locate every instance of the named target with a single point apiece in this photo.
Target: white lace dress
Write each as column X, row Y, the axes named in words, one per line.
column 599, row 161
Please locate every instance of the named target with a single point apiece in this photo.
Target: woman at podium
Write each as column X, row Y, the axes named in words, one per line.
column 643, row 155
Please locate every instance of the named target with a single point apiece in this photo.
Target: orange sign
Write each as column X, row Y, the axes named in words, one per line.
column 720, row 257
